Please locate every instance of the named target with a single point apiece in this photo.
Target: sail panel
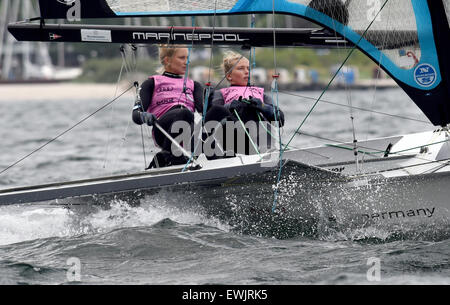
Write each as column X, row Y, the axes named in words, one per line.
column 399, row 36
column 406, row 22
column 149, row 6
column 403, row 37
column 248, row 37
column 447, row 10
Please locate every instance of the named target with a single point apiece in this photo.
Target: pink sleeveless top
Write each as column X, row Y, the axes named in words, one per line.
column 234, row 92
column 168, row 92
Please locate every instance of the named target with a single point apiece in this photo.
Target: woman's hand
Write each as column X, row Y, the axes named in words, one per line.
column 148, row 118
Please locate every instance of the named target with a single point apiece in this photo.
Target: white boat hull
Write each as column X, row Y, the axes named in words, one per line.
column 330, row 191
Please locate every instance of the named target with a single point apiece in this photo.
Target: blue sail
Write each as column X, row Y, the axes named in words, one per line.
column 407, row 38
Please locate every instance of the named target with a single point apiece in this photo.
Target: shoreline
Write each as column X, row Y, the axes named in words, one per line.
column 59, row 91
column 70, row 91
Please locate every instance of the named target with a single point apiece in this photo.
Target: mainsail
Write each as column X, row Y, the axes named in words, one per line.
column 407, row 38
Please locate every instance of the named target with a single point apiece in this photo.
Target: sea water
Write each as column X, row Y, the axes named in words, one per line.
column 154, row 242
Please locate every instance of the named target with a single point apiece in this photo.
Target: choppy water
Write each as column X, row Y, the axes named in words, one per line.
column 155, row 243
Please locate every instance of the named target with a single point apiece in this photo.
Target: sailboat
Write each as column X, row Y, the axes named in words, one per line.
column 405, row 178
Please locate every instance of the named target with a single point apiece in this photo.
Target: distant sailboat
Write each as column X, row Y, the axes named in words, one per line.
column 28, row 62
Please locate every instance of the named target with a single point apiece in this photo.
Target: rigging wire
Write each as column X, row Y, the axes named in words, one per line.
column 66, row 131
column 208, row 85
column 247, row 133
column 275, row 109
column 338, row 70
column 282, row 149
column 128, row 67
column 188, row 63
column 384, row 42
column 252, row 57
column 208, row 88
column 443, row 163
column 373, row 151
column 112, row 113
column 357, row 108
column 132, row 67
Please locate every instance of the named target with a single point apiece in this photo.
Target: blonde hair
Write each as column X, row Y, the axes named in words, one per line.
column 229, row 61
column 166, row 51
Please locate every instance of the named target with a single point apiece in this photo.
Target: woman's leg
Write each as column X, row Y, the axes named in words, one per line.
column 183, row 115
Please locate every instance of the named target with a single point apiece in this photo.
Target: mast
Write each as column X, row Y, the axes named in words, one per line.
column 441, row 30
column 8, row 53
column 3, row 22
column 26, row 60
column 18, row 57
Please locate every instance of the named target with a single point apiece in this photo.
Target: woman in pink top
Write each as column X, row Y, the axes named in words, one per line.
column 237, row 72
column 166, row 99
column 241, row 100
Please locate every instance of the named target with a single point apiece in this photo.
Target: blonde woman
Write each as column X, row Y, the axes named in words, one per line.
column 168, row 98
column 240, row 101
column 248, row 101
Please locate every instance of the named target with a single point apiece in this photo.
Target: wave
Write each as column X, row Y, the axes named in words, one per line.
column 30, row 222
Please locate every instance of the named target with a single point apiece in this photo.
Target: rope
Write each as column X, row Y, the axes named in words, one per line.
column 252, row 56
column 186, row 73
column 275, row 92
column 282, row 149
column 208, row 88
column 443, row 163
column 248, row 135
column 139, row 101
column 358, row 108
column 129, row 68
column 112, row 113
column 374, row 151
column 208, row 85
column 65, row 132
column 337, row 72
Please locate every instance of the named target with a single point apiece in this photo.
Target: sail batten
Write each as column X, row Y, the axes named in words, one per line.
column 261, row 37
column 148, row 6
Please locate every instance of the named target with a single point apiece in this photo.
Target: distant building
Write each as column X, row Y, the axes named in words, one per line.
column 314, row 76
column 347, row 75
column 378, row 73
column 259, row 76
column 301, row 75
column 201, row 74
column 284, row 76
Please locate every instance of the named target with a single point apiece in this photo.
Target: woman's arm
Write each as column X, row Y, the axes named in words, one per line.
column 216, row 99
column 198, row 96
column 268, row 110
column 267, row 100
column 145, row 94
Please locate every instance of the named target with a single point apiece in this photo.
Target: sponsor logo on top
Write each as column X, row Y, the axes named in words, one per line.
column 425, row 75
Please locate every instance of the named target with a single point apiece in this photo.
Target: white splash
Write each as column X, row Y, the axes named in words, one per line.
column 24, row 223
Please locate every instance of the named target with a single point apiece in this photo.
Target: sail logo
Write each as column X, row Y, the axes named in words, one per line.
column 54, row 36
column 188, row 37
column 425, row 75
